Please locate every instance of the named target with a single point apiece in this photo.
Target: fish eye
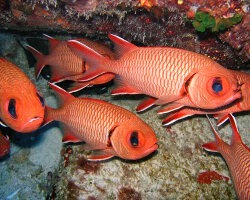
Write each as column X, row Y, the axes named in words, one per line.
column 217, row 85
column 134, row 140
column 40, row 98
column 12, row 108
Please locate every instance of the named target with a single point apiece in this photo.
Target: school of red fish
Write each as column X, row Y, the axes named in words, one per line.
column 183, row 83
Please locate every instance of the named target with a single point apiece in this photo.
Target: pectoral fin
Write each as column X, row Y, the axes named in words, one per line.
column 69, row 136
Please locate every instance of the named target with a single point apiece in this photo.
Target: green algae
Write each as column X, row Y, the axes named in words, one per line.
column 203, row 21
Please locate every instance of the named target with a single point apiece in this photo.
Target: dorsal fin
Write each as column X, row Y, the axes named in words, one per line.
column 63, row 96
column 52, row 41
column 121, row 46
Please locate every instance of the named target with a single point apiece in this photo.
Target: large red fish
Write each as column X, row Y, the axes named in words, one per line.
column 21, row 105
column 243, row 104
column 4, row 145
column 66, row 65
column 237, row 157
column 165, row 74
column 108, row 129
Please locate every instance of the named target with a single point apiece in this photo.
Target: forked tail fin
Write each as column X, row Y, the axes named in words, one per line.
column 40, row 59
column 94, row 59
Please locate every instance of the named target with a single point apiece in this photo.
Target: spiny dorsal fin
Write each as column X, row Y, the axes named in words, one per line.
column 121, row 46
column 64, row 96
column 52, row 42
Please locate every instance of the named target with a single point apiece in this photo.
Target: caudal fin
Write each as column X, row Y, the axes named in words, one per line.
column 48, row 117
column 94, row 59
column 64, row 96
column 40, row 59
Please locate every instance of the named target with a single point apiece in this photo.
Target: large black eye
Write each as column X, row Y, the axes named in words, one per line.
column 12, row 108
column 40, row 98
column 134, row 139
column 217, row 85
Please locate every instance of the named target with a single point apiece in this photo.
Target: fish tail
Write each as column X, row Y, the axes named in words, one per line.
column 94, row 59
column 49, row 115
column 213, row 146
column 40, row 59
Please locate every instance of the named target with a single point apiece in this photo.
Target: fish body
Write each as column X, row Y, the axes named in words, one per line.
column 4, row 145
column 66, row 65
column 221, row 114
column 110, row 129
column 163, row 73
column 21, row 105
column 237, row 157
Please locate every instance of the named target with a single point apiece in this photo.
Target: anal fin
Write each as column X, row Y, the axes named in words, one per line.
column 170, row 108
column 124, row 90
column 177, row 116
column 211, row 146
column 77, row 86
column 221, row 118
column 146, row 104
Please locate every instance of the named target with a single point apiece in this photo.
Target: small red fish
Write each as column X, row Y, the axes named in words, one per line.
column 237, row 157
column 66, row 65
column 108, row 129
column 165, row 74
column 4, row 145
column 21, row 105
column 221, row 114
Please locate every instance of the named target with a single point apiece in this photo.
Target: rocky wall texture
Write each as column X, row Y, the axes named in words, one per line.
column 224, row 35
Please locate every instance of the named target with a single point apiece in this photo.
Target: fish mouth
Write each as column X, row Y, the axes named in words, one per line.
column 151, row 149
column 237, row 95
column 32, row 125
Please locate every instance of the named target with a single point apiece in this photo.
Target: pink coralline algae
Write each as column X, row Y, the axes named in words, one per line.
column 209, row 176
column 238, row 38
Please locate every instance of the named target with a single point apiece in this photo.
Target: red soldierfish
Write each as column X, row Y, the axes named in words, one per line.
column 108, row 129
column 237, row 157
column 242, row 104
column 4, row 145
column 165, row 74
column 21, row 105
column 66, row 65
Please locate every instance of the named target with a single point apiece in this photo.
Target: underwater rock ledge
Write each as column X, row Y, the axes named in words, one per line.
column 144, row 22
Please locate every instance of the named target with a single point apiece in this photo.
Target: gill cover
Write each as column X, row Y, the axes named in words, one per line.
column 133, row 140
column 210, row 90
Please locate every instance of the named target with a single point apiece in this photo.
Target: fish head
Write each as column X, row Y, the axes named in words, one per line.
column 133, row 139
column 213, row 88
column 22, row 109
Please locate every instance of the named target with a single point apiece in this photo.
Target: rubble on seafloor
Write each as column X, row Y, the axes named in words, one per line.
column 146, row 22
